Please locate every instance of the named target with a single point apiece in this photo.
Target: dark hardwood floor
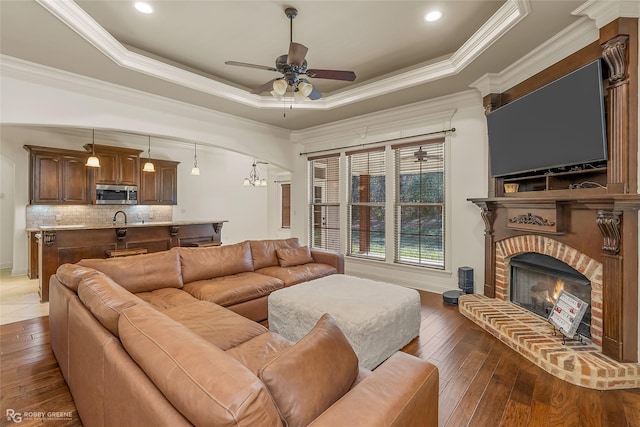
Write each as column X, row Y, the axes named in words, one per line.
column 482, row 381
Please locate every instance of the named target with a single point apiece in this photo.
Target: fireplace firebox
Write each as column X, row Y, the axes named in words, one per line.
column 536, row 281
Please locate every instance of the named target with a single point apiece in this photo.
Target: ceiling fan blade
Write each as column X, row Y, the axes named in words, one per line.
column 244, row 64
column 332, row 74
column 296, row 54
column 267, row 87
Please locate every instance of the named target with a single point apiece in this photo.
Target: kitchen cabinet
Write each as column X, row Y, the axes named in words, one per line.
column 57, row 176
column 32, row 244
column 118, row 166
column 159, row 187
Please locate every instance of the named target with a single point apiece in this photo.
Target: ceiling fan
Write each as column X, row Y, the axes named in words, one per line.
column 293, row 66
column 421, row 156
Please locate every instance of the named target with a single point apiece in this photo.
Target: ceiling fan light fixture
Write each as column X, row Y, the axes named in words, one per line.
column 305, row 88
column 292, row 65
column 280, row 87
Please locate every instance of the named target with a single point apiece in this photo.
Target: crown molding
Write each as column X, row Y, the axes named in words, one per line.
column 563, row 44
column 603, row 12
column 376, row 126
column 25, row 71
column 509, row 14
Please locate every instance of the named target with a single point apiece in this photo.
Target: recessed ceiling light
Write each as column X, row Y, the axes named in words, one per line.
column 433, row 16
column 143, row 7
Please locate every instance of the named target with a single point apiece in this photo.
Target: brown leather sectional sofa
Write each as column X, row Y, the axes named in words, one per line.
column 169, row 339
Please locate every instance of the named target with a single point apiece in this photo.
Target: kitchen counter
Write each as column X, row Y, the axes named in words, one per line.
column 69, row 243
column 120, row 224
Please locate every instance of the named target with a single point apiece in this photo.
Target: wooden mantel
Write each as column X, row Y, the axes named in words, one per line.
column 599, row 222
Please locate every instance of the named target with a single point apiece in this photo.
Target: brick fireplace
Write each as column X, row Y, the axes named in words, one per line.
column 581, row 262
column 592, row 229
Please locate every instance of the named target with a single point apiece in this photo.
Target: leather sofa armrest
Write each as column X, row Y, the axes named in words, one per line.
column 403, row 391
column 330, row 258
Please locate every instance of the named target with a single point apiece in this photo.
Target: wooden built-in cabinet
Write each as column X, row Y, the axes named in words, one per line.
column 592, row 179
column 159, row 187
column 58, row 176
column 118, row 165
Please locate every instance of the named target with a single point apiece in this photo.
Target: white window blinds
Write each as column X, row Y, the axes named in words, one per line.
column 420, row 203
column 366, row 206
column 324, row 206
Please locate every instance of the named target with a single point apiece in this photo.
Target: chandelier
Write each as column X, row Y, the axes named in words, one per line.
column 254, row 179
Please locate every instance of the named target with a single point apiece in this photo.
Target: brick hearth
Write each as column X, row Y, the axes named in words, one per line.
column 589, row 267
column 532, row 337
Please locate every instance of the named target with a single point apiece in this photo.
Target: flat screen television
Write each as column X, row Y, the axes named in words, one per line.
column 562, row 124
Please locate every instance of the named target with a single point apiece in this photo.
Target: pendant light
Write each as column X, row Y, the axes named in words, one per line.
column 93, row 161
column 195, row 170
column 148, row 167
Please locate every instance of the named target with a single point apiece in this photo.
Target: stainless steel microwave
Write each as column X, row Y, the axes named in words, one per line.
column 116, row 194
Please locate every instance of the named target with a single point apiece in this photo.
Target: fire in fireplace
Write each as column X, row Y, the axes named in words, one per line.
column 537, row 280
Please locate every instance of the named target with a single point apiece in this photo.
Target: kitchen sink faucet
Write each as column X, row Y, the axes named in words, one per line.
column 116, row 214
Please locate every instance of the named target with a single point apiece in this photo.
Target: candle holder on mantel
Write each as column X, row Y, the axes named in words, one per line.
column 511, row 187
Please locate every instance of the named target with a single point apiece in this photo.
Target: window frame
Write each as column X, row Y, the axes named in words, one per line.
column 425, row 262
column 330, row 237
column 365, row 207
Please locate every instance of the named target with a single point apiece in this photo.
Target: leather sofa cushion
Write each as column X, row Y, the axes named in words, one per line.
column 234, row 289
column 264, row 251
column 163, row 299
column 219, row 326
column 207, row 263
column 299, row 273
column 141, row 273
column 70, row 275
column 256, row 352
column 105, row 299
column 313, row 374
column 207, row 386
column 288, row 257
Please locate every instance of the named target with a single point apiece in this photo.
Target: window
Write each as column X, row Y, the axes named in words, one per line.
column 419, row 203
column 366, row 207
column 285, row 191
column 324, row 208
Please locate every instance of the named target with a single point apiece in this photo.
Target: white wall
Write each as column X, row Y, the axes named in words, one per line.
column 14, row 244
column 466, row 165
column 35, row 96
column 6, row 211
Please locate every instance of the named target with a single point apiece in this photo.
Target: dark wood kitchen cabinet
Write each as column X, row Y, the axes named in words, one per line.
column 57, row 176
column 118, row 166
column 159, row 187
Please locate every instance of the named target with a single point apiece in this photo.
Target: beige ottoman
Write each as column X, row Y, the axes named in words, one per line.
column 377, row 318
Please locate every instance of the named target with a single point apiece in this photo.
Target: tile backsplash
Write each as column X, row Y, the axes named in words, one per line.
column 38, row 215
